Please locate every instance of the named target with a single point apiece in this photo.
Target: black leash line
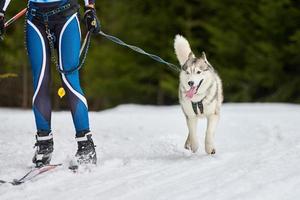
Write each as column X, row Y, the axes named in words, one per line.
column 139, row 50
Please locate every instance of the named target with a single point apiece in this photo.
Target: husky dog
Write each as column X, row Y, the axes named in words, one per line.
column 200, row 94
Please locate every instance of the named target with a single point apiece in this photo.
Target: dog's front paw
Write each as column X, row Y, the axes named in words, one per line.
column 210, row 149
column 191, row 145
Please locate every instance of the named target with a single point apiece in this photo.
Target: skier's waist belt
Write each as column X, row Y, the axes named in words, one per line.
column 49, row 14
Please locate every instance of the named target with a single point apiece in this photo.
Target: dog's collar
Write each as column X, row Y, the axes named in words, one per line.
column 198, row 105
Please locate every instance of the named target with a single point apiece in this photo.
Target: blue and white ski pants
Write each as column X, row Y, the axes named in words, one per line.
column 68, row 35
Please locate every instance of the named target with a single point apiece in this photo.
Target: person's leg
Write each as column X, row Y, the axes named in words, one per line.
column 69, row 50
column 39, row 56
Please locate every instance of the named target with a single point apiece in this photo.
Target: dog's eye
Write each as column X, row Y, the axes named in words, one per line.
column 198, row 72
column 187, row 72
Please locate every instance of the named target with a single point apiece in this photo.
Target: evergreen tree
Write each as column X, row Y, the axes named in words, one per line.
column 254, row 45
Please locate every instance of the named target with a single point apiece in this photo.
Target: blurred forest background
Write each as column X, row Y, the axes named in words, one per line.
column 254, row 45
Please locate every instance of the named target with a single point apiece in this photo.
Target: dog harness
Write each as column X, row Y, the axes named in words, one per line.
column 198, row 105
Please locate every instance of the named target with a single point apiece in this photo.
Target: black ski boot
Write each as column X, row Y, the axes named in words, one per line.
column 44, row 149
column 86, row 153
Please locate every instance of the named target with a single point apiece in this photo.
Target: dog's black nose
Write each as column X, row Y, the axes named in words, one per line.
column 191, row 83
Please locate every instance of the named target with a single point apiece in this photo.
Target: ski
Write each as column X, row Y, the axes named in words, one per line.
column 31, row 174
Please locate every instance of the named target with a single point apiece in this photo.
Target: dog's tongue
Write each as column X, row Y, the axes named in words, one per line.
column 190, row 93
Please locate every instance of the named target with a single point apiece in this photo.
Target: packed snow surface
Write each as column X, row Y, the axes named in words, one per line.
column 141, row 155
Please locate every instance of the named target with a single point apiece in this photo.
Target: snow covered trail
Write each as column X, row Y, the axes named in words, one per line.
column 142, row 156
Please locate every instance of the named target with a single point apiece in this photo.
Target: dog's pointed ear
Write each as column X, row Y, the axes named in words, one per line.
column 203, row 56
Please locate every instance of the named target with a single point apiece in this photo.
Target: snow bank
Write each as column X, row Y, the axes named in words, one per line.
column 142, row 156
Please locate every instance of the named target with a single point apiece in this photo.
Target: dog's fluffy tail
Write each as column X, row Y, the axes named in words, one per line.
column 182, row 49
